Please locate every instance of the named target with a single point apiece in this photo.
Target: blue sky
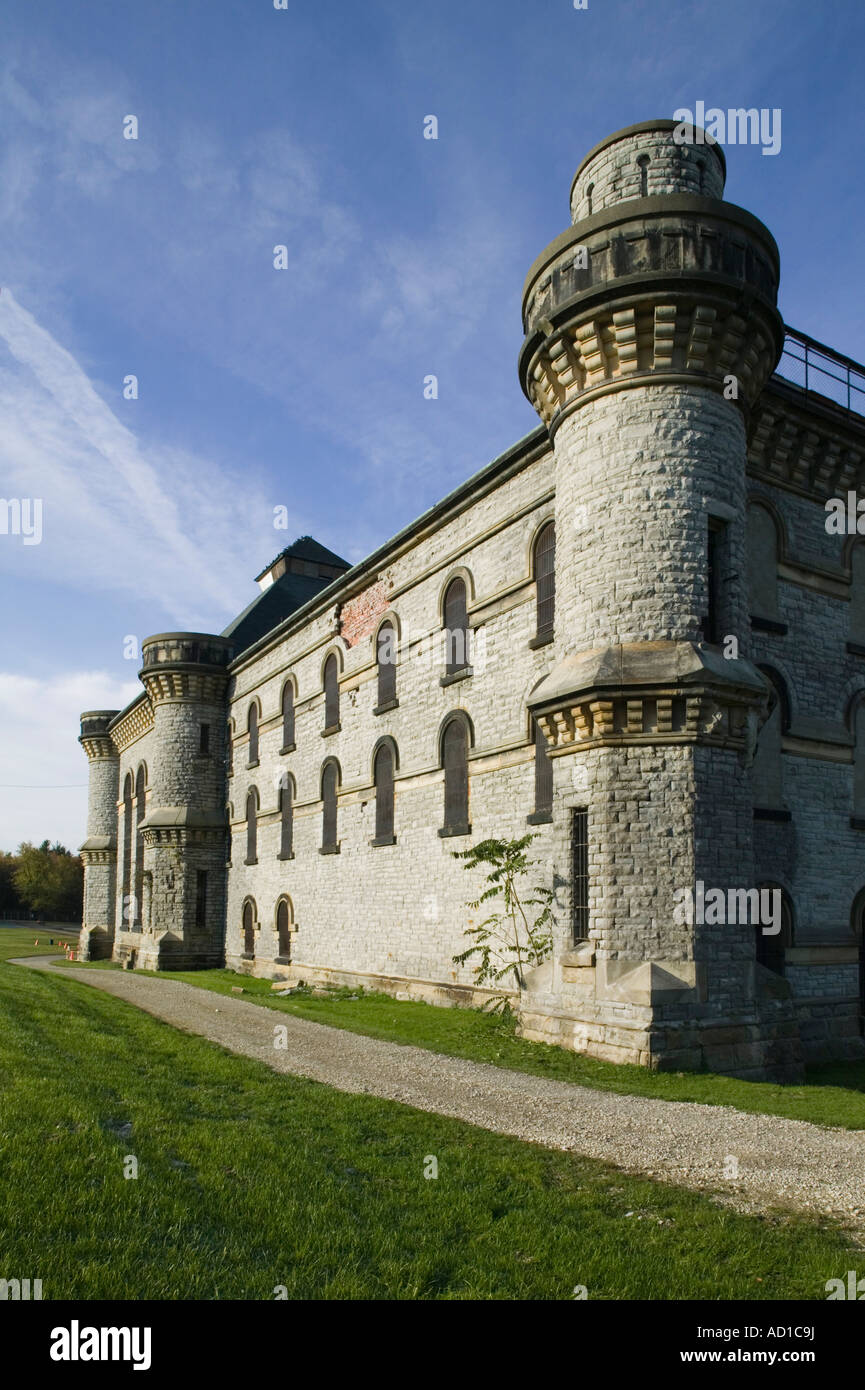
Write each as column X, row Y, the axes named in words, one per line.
column 304, row 388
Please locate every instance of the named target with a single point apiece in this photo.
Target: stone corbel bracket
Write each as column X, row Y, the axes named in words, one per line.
column 650, row 693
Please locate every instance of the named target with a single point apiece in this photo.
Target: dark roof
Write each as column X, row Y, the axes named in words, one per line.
column 273, row 606
column 307, row 548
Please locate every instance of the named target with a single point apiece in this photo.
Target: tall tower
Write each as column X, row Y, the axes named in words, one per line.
column 99, row 851
column 651, row 327
column 185, row 826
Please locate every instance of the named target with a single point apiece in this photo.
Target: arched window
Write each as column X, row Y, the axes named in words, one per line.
column 329, row 795
column 455, row 761
column 543, row 778
column 283, row 930
column 701, row 175
column 251, row 827
column 386, row 659
column 287, row 717
column 772, row 947
column 762, row 554
column 544, row 566
column 286, row 820
column 125, row 905
column 140, row 807
column 589, row 191
column 457, row 653
column 249, row 916
column 331, row 694
column 252, row 726
column 857, row 921
column 383, row 769
column 768, row 766
column 643, row 166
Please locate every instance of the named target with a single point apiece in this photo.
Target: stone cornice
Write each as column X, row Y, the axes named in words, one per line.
column 650, row 692
column 179, row 683
column 661, row 334
column 669, row 289
column 806, row 444
column 135, row 721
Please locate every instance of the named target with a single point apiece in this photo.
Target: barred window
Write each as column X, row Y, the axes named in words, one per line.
column 545, row 580
column 252, row 827
column 329, row 794
column 386, row 656
column 455, row 760
column 580, row 870
column 252, row 725
column 204, row 739
column 331, row 693
column 383, row 767
column 288, row 715
column 456, row 627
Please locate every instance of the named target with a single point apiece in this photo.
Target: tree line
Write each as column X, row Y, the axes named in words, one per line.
column 44, row 879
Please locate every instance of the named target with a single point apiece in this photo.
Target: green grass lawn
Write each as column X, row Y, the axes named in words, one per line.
column 249, row 1180
column 833, row 1094
column 18, row 941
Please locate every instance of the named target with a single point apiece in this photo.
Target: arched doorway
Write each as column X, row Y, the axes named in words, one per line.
column 771, row 950
column 283, row 927
column 248, row 929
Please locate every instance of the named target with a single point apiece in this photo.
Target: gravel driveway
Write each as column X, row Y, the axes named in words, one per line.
column 779, row 1162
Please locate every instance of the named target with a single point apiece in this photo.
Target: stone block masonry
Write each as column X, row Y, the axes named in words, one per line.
column 692, row 651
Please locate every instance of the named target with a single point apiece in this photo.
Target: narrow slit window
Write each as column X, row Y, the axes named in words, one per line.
column 580, row 872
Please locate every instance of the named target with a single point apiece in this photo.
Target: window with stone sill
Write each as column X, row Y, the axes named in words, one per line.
column 544, row 571
column 286, row 821
column 330, row 779
column 383, row 777
column 287, row 717
column 457, row 638
column 455, row 761
column 331, row 695
column 252, row 827
column 386, row 650
column 252, row 728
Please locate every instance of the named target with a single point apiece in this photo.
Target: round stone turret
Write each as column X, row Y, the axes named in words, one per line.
column 671, row 285
column 651, row 328
column 184, row 830
column 99, row 851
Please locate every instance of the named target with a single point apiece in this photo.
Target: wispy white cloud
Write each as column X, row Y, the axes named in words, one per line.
column 117, row 512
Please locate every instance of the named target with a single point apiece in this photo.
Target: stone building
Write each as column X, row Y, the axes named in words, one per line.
column 633, row 633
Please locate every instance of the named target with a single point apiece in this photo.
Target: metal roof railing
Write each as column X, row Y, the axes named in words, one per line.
column 821, row 372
